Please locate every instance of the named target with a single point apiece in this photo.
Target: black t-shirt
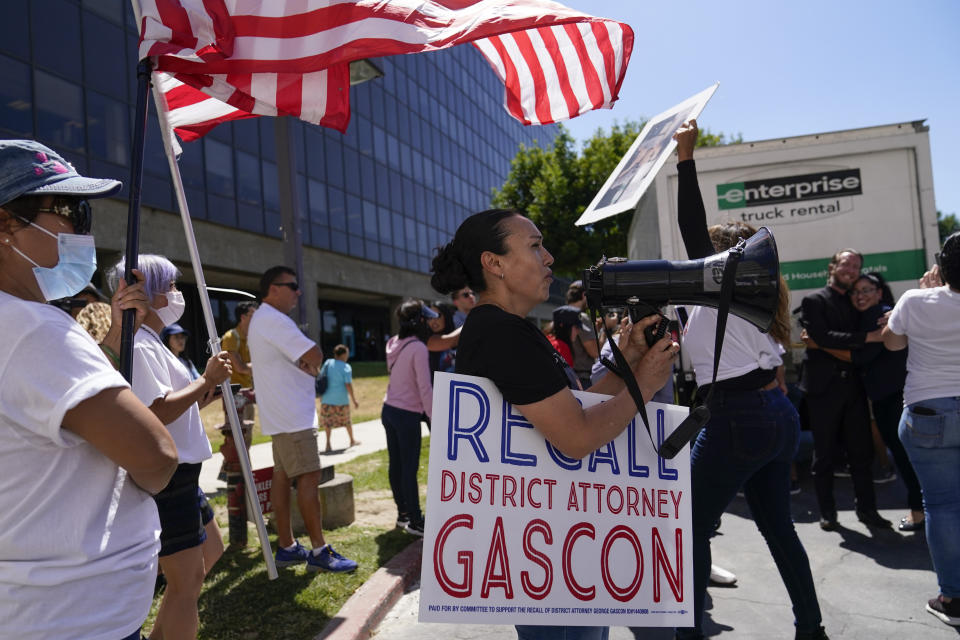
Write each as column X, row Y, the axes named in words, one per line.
column 512, row 353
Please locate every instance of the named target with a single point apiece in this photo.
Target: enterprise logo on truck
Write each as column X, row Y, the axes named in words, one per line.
column 812, row 186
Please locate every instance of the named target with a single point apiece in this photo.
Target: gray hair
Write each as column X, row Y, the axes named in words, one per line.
column 159, row 272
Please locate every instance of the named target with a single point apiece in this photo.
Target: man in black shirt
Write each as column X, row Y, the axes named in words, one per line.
column 836, row 399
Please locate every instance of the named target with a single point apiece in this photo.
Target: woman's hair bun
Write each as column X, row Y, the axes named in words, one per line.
column 449, row 273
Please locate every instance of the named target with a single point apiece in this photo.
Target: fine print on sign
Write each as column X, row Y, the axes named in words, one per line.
column 263, row 480
column 640, row 164
column 517, row 533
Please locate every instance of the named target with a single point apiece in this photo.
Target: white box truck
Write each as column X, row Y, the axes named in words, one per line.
column 870, row 189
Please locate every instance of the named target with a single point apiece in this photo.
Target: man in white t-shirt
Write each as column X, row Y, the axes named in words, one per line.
column 285, row 364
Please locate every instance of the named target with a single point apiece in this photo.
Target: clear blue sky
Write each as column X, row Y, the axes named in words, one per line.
column 795, row 68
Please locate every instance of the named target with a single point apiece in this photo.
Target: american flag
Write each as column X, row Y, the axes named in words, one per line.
column 219, row 60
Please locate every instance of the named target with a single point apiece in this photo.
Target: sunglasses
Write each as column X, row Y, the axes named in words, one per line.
column 77, row 212
column 465, row 294
column 293, row 286
column 863, row 292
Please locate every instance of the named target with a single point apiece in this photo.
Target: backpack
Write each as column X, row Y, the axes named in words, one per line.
column 322, row 381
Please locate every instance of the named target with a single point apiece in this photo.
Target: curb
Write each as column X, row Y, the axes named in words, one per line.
column 367, row 607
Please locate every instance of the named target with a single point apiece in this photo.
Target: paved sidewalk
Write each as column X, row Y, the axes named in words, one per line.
column 871, row 585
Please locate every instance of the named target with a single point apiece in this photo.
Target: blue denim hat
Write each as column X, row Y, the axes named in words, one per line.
column 172, row 330
column 29, row 168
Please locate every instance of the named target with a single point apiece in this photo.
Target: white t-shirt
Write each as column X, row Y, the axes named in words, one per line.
column 157, row 372
column 930, row 318
column 78, row 539
column 744, row 347
column 286, row 396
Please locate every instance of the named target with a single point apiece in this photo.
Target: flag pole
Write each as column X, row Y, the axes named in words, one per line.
column 166, row 132
column 253, row 504
column 131, row 259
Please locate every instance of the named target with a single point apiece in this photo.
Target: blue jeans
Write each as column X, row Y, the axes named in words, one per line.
column 933, row 445
column 529, row 632
column 750, row 441
column 403, row 447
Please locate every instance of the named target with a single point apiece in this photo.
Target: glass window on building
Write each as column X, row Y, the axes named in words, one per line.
column 334, row 164
column 351, row 168
column 354, row 215
column 15, row 29
column 337, row 206
column 271, row 193
column 112, row 10
column 56, row 38
column 107, row 133
column 371, row 250
column 315, row 156
column 370, row 227
column 218, row 158
column 338, row 241
column 16, row 114
column 320, row 236
column 104, row 70
column 383, row 223
column 222, row 210
column 250, row 217
column 248, row 178
column 60, row 118
column 272, row 223
column 317, row 195
column 364, row 135
column 247, row 135
column 196, row 202
column 268, row 144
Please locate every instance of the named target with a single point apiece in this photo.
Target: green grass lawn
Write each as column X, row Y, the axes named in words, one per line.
column 369, row 386
column 239, row 602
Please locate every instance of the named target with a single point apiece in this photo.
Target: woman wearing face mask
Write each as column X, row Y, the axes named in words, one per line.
column 80, row 454
column 162, row 383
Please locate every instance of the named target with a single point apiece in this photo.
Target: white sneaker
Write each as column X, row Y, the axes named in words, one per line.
column 722, row 577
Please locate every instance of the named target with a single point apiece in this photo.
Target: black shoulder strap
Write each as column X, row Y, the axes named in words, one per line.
column 405, row 344
column 692, row 424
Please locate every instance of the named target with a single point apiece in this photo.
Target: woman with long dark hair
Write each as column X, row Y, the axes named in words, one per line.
column 409, row 397
column 500, row 255
column 753, row 431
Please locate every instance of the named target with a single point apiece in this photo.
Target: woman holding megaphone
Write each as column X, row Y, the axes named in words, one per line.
column 753, row 431
column 500, row 255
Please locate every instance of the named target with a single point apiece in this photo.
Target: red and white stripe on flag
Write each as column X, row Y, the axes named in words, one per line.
column 270, row 58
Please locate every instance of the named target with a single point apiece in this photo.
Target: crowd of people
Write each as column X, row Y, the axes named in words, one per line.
column 67, row 413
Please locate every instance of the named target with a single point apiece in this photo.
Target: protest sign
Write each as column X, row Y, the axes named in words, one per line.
column 640, row 164
column 518, row 533
column 263, row 480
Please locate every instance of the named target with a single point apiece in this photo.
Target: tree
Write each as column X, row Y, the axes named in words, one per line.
column 554, row 186
column 948, row 224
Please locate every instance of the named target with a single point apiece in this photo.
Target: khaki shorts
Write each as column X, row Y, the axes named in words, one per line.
column 296, row 453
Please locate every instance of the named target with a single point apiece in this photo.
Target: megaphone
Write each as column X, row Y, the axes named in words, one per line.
column 645, row 286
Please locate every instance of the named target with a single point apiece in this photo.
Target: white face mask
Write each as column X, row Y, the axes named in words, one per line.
column 174, row 309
